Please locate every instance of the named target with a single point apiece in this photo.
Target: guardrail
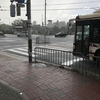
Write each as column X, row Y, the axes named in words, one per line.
column 67, row 59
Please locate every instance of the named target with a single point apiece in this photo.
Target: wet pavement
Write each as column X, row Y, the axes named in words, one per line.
column 46, row 82
column 7, row 93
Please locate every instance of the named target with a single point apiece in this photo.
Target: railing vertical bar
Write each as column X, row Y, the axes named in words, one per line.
column 99, row 67
column 42, row 53
column 58, row 56
column 45, row 54
column 95, row 66
column 61, row 58
column 38, row 52
column 35, row 54
column 53, row 55
column 66, row 59
column 50, row 56
column 84, row 64
column 71, row 60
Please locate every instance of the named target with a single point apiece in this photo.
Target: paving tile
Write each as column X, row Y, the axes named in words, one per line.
column 49, row 82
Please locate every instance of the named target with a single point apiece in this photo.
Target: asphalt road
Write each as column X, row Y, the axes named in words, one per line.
column 12, row 41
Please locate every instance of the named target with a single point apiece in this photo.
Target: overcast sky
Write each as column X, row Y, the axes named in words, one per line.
column 61, row 10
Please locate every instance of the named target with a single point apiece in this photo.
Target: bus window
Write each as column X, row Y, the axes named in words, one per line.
column 86, row 40
column 96, row 35
column 86, row 32
column 79, row 33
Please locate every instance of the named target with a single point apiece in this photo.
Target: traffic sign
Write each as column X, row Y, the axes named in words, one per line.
column 21, row 1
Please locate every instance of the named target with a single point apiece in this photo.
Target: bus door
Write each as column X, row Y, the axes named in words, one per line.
column 82, row 39
column 85, row 43
column 78, row 39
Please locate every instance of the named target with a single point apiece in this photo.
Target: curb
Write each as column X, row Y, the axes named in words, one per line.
column 15, row 89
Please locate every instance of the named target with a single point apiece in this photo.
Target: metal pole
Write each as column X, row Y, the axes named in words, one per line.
column 42, row 24
column 29, row 30
column 45, row 24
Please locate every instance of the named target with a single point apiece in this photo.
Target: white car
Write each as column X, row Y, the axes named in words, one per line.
column 22, row 34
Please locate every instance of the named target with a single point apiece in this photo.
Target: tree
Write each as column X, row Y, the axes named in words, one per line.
column 7, row 29
column 56, row 29
column 63, row 29
column 18, row 22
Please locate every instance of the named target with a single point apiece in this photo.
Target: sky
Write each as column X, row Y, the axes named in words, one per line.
column 61, row 10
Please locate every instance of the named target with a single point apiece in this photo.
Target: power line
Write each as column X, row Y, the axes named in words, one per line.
column 55, row 9
column 69, row 3
column 74, row 3
column 66, row 9
column 92, row 1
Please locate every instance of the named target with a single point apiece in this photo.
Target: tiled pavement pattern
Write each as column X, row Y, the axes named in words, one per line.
column 47, row 82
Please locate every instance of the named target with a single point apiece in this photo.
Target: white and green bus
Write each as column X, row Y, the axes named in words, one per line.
column 87, row 35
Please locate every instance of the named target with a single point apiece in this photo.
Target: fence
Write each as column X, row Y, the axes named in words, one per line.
column 67, row 59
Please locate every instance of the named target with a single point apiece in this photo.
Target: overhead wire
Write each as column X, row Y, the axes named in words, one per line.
column 68, row 3
column 55, row 9
column 74, row 3
column 4, row 8
column 92, row 1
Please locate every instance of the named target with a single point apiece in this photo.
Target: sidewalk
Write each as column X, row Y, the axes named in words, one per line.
column 47, row 82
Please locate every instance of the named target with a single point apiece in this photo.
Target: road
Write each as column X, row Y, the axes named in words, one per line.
column 18, row 46
column 12, row 41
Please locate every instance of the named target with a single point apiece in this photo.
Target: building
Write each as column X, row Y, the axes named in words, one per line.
column 58, row 24
column 34, row 22
column 49, row 25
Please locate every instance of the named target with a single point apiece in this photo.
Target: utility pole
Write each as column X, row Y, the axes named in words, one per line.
column 20, row 3
column 29, row 30
column 45, row 23
column 42, row 24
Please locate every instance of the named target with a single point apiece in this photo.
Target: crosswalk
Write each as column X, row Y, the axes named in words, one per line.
column 18, row 51
column 23, row 51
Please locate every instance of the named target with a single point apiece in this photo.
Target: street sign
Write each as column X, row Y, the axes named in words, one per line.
column 20, row 5
column 21, row 1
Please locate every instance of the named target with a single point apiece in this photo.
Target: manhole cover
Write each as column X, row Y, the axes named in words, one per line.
column 38, row 65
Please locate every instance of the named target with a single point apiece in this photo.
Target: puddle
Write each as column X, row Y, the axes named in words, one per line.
column 38, row 65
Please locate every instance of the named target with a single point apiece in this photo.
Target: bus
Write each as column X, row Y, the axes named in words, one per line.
column 87, row 35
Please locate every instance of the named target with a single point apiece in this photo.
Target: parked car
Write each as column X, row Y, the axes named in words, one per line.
column 61, row 34
column 1, row 33
column 22, row 34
